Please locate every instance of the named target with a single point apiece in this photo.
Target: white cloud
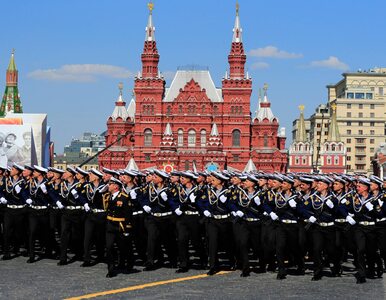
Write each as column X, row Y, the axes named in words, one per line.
column 332, row 62
column 259, row 65
column 80, row 73
column 273, row 52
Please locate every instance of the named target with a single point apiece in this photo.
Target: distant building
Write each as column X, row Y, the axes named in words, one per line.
column 193, row 123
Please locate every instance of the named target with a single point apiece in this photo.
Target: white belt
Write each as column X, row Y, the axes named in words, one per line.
column 340, row 220
column 74, row 207
column 55, row 207
column 39, row 207
column 98, row 210
column 162, row 214
column 15, row 206
column 252, row 219
column 140, row 212
column 190, row 213
column 221, row 216
column 289, row 221
column 381, row 220
column 366, row 223
column 325, row 224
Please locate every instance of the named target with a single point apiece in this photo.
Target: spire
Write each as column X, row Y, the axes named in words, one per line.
column 264, row 111
column 150, row 29
column 119, row 109
column 168, row 139
column 237, row 30
column 214, row 131
column 301, row 130
column 150, row 56
column 237, row 57
column 132, row 165
column 11, row 99
column 250, row 166
column 333, row 130
column 12, row 65
column 131, row 108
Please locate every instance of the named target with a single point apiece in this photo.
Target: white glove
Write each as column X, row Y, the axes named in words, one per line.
column 59, row 204
column 292, row 203
column 43, row 188
column 223, row 198
column 233, row 213
column 239, row 213
column 192, row 198
column 257, row 200
column 86, row 207
column 74, row 193
column 207, row 213
column 164, row 196
column 147, row 209
column 274, row 216
column 343, row 201
column 28, row 201
column 178, row 212
column 369, row 206
column 330, row 204
column 17, row 189
column 380, row 202
column 3, row 200
column 312, row 219
column 350, row 220
column 133, row 194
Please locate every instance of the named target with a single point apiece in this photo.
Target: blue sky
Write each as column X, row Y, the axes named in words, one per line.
column 72, row 54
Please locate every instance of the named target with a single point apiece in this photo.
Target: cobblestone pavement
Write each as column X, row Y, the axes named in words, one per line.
column 45, row 280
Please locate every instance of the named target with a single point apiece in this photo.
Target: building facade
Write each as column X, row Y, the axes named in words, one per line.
column 193, row 123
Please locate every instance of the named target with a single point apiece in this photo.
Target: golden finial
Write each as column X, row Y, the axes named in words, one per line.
column 150, row 5
column 120, row 87
column 237, row 7
column 301, row 108
column 13, row 51
column 333, row 107
column 265, row 88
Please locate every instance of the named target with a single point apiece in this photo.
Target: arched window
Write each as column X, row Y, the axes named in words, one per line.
column 148, row 141
column 203, row 138
column 236, row 138
column 187, row 165
column 169, row 110
column 180, row 139
column 266, row 141
column 203, row 109
column 180, row 109
column 192, row 138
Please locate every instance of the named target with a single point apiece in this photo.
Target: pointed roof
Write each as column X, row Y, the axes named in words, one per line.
column 214, row 131
column 12, row 65
column 333, row 130
column 131, row 108
column 250, row 166
column 168, row 130
column 264, row 111
column 237, row 30
column 301, row 127
column 119, row 109
column 150, row 29
column 132, row 165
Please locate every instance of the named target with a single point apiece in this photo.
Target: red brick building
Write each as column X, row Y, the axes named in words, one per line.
column 193, row 123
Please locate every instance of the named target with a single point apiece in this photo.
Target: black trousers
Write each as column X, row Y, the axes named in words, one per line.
column 366, row 244
column 139, row 235
column 55, row 219
column 188, row 229
column 220, row 233
column 38, row 228
column 161, row 230
column 94, row 233
column 72, row 231
column 380, row 229
column 14, row 228
column 2, row 211
column 287, row 246
column 248, row 235
column 344, row 240
column 268, row 240
column 305, row 240
column 114, row 234
column 323, row 239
